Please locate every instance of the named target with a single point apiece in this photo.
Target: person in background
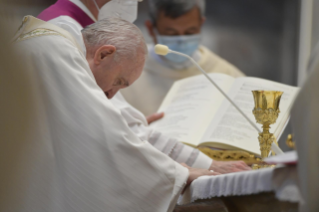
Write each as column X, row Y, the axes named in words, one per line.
column 72, row 16
column 177, row 24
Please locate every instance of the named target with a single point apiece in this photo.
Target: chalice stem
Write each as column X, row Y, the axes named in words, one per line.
column 265, row 140
column 266, row 128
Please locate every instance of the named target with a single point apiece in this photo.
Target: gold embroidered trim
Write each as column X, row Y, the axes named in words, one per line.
column 37, row 33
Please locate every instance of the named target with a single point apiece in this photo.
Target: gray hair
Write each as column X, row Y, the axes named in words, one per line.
column 174, row 8
column 125, row 36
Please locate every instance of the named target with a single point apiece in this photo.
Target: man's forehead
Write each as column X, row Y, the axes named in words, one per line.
column 190, row 19
column 194, row 12
column 129, row 75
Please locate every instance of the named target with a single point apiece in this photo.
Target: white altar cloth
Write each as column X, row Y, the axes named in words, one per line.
column 282, row 180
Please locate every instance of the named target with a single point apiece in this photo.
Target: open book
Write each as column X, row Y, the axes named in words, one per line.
column 197, row 114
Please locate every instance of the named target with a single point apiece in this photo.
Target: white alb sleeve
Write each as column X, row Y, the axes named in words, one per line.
column 179, row 152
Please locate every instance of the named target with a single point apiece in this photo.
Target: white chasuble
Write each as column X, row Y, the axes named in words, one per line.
column 134, row 118
column 79, row 155
column 305, row 122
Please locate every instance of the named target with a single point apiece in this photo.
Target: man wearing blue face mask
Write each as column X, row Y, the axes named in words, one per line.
column 177, row 24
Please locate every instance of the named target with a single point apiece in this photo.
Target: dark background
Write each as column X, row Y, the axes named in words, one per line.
column 259, row 37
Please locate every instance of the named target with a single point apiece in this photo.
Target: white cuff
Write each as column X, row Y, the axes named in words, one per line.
column 182, row 174
column 202, row 161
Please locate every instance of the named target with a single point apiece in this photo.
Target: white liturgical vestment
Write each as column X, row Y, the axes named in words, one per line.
column 134, row 118
column 79, row 155
column 157, row 78
column 305, row 122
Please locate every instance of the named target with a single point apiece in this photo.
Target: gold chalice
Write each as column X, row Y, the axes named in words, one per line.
column 266, row 112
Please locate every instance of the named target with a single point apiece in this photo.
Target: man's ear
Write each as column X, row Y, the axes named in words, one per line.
column 150, row 28
column 103, row 53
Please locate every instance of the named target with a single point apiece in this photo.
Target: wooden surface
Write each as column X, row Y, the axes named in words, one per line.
column 264, row 202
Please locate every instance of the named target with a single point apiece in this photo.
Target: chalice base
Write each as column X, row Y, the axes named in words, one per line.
column 262, row 166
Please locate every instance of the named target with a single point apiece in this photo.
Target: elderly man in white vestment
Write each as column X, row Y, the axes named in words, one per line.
column 177, row 24
column 79, row 154
column 305, row 122
column 87, row 11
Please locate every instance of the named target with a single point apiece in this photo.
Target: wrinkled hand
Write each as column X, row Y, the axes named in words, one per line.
column 154, row 117
column 195, row 173
column 225, row 167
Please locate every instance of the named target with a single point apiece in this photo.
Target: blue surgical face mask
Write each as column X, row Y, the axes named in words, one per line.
column 186, row 44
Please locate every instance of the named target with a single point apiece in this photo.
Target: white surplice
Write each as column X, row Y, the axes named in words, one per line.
column 305, row 122
column 79, row 154
column 134, row 118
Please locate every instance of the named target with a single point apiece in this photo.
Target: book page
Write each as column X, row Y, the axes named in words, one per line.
column 189, row 107
column 231, row 128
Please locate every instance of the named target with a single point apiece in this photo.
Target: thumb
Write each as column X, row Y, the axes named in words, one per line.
column 185, row 165
column 154, row 117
